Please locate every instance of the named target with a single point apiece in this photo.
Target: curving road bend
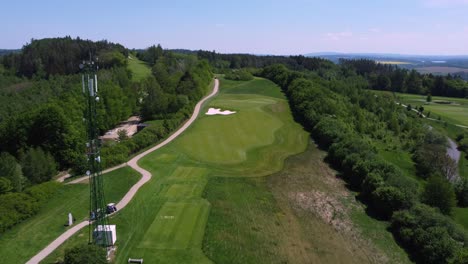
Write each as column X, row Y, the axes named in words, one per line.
column 133, row 163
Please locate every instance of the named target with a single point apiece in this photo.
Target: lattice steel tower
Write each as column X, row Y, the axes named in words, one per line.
column 97, row 203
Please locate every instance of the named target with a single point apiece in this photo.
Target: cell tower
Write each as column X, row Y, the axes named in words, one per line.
column 97, row 203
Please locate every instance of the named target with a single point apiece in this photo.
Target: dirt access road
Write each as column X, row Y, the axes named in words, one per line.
column 146, row 176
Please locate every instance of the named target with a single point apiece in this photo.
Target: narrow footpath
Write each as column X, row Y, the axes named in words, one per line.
column 133, row 163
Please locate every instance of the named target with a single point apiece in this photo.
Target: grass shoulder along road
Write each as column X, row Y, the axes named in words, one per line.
column 26, row 239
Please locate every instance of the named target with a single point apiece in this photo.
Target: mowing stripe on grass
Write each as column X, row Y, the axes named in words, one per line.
column 188, row 173
column 176, row 226
column 185, row 190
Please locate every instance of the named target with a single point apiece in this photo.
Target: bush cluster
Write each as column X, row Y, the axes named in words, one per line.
column 114, row 153
column 239, row 75
column 17, row 206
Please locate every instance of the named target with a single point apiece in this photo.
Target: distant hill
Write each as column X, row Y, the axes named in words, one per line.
column 435, row 64
column 8, row 51
column 184, row 51
column 387, row 55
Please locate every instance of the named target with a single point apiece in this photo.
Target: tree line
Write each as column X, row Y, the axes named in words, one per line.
column 349, row 121
column 392, row 78
column 378, row 76
column 59, row 56
column 168, row 95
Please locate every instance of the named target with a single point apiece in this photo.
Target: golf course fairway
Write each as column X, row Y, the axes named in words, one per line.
column 166, row 221
column 219, row 194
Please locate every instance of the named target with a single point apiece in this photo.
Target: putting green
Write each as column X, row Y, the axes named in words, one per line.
column 227, row 139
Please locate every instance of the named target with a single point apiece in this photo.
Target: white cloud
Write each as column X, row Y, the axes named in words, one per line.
column 339, row 35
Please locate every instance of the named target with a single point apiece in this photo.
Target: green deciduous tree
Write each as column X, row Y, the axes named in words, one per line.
column 82, row 254
column 429, row 98
column 5, row 185
column 432, row 158
column 387, row 199
column 122, row 134
column 156, row 102
column 38, row 165
column 439, row 193
column 11, row 170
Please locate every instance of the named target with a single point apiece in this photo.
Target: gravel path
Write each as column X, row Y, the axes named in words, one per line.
column 146, row 176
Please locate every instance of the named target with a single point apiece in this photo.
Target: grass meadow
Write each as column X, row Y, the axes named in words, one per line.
column 23, row 241
column 456, row 112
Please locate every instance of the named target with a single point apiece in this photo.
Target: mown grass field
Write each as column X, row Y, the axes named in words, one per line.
column 208, row 200
column 139, row 69
column 456, row 112
column 28, row 238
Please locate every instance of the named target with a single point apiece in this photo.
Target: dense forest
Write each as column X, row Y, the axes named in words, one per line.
column 391, row 78
column 378, row 76
column 42, row 105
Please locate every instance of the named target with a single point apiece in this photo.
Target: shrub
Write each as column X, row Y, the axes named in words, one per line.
column 42, row 192
column 372, row 181
column 439, row 193
column 16, row 207
column 386, row 200
column 85, row 254
column 328, row 131
column 430, row 236
column 239, row 75
column 38, row 165
column 5, row 185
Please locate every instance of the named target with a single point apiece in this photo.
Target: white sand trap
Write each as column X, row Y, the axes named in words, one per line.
column 217, row 111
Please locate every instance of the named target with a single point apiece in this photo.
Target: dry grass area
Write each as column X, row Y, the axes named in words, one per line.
column 394, row 62
column 302, row 214
column 323, row 209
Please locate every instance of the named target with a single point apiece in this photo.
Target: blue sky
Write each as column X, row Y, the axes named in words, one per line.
column 254, row 26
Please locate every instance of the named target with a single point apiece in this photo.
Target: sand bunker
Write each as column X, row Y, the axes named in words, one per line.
column 217, row 111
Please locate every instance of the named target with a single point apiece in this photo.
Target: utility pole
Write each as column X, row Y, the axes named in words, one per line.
column 97, row 203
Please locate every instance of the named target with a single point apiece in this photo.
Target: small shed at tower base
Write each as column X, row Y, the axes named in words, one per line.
column 105, row 235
